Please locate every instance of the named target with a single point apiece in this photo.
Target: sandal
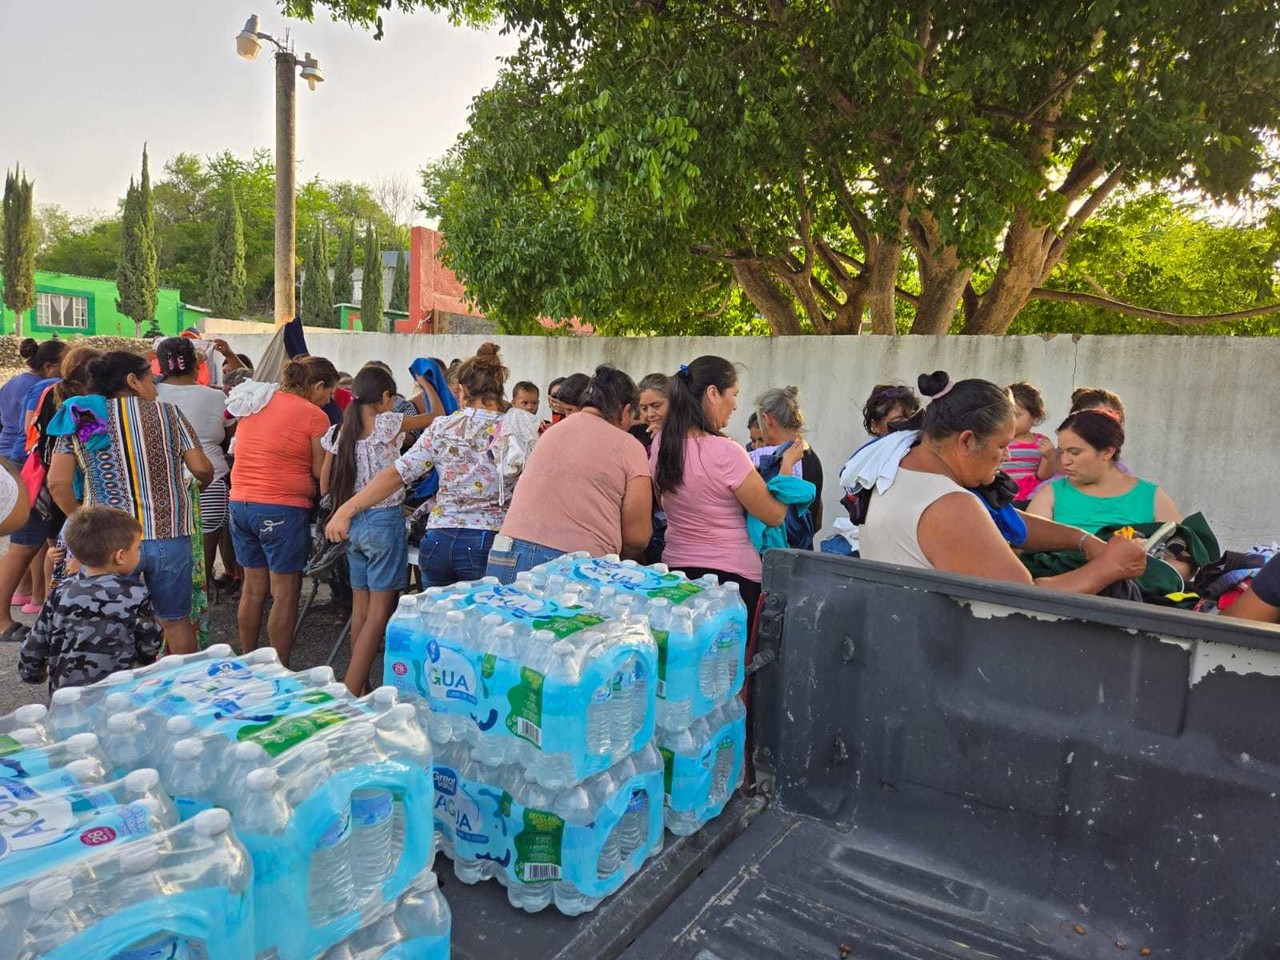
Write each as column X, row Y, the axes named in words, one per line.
column 32, row 607
column 20, row 599
column 14, row 633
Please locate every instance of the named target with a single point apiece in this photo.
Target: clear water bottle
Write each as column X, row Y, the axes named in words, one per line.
column 620, row 716
column 497, row 747
column 383, row 699
column 190, row 778
column 680, row 744
column 573, row 805
column 557, row 769
column 729, row 635
column 29, row 716
column 423, row 915
column 55, row 917
column 633, row 828
column 237, row 763
column 600, row 719
column 67, row 714
column 330, row 887
column 536, row 896
column 641, row 694
column 374, row 858
column 126, row 742
column 175, row 729
column 262, row 808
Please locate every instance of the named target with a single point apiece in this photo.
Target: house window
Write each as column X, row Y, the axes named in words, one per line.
column 59, row 310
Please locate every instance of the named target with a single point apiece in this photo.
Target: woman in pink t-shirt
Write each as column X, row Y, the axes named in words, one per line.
column 706, row 481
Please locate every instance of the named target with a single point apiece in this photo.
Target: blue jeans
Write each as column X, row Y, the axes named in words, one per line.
column 270, row 535
column 447, row 555
column 379, row 554
column 165, row 568
column 510, row 556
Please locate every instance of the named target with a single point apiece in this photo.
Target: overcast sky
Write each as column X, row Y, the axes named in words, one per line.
column 84, row 82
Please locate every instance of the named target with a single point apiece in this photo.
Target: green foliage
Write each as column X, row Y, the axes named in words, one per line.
column 344, row 289
column 19, row 248
column 400, row 285
column 371, row 285
column 136, row 276
column 227, row 276
column 317, row 290
column 87, row 245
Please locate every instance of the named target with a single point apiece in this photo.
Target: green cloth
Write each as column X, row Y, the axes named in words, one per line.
column 1077, row 509
column 1159, row 580
column 785, row 489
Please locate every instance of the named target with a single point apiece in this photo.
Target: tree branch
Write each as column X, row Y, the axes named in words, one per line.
column 1128, row 309
column 1077, row 221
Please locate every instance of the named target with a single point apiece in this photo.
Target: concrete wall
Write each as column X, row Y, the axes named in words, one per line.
column 1203, row 414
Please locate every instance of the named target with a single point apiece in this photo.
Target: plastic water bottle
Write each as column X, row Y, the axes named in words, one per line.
column 372, row 835
column 730, row 600
column 67, row 714
column 573, row 805
column 600, row 711
column 330, row 888
column 175, row 729
column 237, row 763
column 497, row 748
column 383, row 699
column 624, row 688
column 423, row 915
column 190, row 777
column 556, row 769
column 30, row 716
column 262, row 809
column 633, row 828
column 126, row 742
column 55, row 919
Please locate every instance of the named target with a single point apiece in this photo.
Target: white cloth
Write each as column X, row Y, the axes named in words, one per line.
column 205, row 408
column 891, row 533
column 521, row 432
column 250, row 397
column 875, row 463
column 8, row 494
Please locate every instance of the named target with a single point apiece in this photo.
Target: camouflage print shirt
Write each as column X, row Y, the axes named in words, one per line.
column 90, row 626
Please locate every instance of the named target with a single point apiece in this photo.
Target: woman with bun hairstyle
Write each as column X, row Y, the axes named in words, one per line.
column 586, row 486
column 1093, row 492
column 273, row 487
column 566, row 396
column 479, row 452
column 705, row 481
column 929, row 517
column 134, row 453
column 782, row 421
column 44, row 361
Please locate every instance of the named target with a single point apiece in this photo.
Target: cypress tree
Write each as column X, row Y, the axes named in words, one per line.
column 400, row 285
column 371, row 288
column 227, row 275
column 344, row 265
column 317, row 291
column 136, row 275
column 19, row 250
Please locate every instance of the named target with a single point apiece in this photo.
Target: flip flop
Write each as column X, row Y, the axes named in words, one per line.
column 14, row 633
column 32, row 607
column 20, row 599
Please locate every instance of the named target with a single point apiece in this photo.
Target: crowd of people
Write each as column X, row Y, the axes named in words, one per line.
column 128, row 475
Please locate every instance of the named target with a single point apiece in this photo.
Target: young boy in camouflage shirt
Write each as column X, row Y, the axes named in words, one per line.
column 101, row 620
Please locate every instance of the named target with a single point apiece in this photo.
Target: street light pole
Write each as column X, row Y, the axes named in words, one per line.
column 286, row 197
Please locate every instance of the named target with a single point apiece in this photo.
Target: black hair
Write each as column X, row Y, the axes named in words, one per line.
column 572, row 389
column 1028, row 397
column 109, row 373
column 95, row 533
column 1100, row 429
column 27, row 350
column 1091, row 398
column 524, row 386
column 609, row 391
column 177, row 356
column 369, row 386
column 685, row 414
column 555, row 383
column 976, row 405
column 386, row 367
column 245, row 361
column 46, row 354
column 753, row 420
column 884, row 397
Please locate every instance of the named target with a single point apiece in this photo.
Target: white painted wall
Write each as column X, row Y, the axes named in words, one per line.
column 1203, row 414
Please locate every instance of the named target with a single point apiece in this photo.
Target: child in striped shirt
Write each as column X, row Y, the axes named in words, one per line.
column 1029, row 460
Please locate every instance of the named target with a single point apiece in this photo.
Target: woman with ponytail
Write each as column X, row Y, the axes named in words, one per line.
column 366, row 443
column 479, row 451
column 705, row 480
column 586, row 486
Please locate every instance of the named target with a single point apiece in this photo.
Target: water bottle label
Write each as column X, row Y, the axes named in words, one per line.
column 188, row 807
column 538, row 847
column 158, row 948
column 32, row 762
column 53, row 829
column 525, row 699
column 450, row 676
column 636, row 580
column 542, row 613
column 9, row 745
column 728, row 636
column 369, row 811
column 276, row 733
column 662, row 638
column 668, row 768
column 30, row 819
column 637, row 800
column 337, row 831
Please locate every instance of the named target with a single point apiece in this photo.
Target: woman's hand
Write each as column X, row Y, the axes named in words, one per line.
column 794, row 454
column 339, row 527
column 1128, row 558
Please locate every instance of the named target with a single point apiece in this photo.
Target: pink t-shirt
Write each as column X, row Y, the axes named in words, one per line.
column 570, row 495
column 706, row 525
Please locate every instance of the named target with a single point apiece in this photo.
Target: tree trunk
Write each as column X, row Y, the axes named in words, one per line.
column 883, row 258
column 1021, row 270
column 775, row 306
column 942, row 281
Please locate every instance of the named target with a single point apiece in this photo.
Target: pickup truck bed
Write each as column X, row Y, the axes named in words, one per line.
column 948, row 768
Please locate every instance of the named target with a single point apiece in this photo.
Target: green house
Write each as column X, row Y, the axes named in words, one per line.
column 68, row 305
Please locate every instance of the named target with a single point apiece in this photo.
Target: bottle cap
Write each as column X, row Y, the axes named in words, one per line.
column 220, row 650
column 385, row 696
column 178, row 726
column 188, row 749
column 121, row 722
column 63, row 696
column 120, row 676
column 489, row 581
column 115, row 702
column 261, row 780
column 81, row 744
column 139, row 857
column 259, row 657
column 30, row 714
column 50, row 893
column 562, row 647
column 338, row 691
column 248, row 750
column 455, row 616
column 211, row 823
column 544, row 636
column 319, row 675
column 26, row 736
column 84, row 770
column 142, row 781
column 492, row 620
column 660, row 568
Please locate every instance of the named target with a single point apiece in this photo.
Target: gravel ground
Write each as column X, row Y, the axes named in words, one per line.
column 319, row 629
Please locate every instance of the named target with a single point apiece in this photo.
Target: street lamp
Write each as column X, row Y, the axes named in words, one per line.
column 249, row 45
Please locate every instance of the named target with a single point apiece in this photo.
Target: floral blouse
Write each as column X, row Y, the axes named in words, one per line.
column 479, row 454
column 374, row 453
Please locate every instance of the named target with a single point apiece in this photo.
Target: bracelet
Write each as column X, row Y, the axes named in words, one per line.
column 1080, row 544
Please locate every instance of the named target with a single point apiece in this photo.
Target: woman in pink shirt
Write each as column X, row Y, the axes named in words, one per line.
column 706, row 481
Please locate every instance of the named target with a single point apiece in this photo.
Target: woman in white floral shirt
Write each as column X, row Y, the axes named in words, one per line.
column 479, row 452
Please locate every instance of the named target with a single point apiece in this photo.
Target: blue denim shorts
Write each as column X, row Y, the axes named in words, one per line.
column 38, row 530
column 270, row 535
column 448, row 555
column 379, row 553
column 509, row 557
column 165, row 569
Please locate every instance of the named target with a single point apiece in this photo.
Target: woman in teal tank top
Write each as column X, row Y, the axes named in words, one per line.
column 1092, row 493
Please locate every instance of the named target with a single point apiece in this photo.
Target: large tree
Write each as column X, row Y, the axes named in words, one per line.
column 344, row 266
column 227, row 278
column 317, row 289
column 136, row 276
column 19, row 247
column 638, row 160
column 371, row 317
column 400, row 284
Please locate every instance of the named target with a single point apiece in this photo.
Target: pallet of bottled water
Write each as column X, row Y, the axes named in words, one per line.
column 702, row 766
column 570, row 846
column 699, row 626
column 561, row 687
column 330, row 795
